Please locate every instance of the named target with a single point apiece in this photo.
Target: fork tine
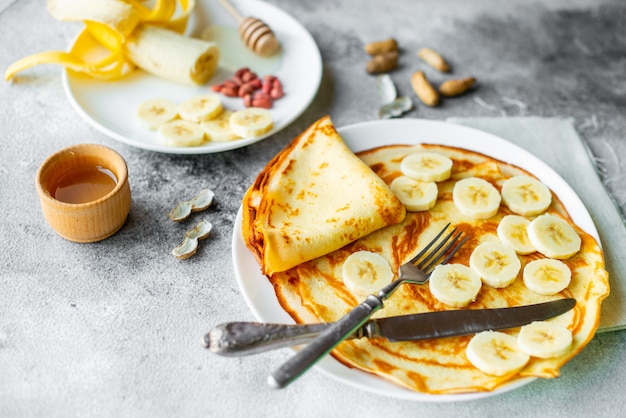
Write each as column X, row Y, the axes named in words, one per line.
column 448, row 254
column 455, row 249
column 430, row 244
column 436, row 250
column 435, row 257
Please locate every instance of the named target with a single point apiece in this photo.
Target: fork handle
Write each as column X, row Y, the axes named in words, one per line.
column 243, row 338
column 324, row 343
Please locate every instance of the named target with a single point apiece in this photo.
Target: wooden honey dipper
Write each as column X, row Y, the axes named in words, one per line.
column 255, row 33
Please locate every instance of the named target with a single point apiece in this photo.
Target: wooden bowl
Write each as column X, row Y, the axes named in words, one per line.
column 77, row 199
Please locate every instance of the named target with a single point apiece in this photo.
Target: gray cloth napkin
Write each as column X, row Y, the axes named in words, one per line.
column 547, row 138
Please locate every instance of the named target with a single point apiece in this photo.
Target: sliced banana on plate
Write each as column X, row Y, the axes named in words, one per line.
column 251, row 122
column 476, row 198
column 455, row 285
column 200, row 108
column 525, row 195
column 496, row 353
column 155, row 112
column 365, row 272
column 544, row 339
column 218, row 129
column 553, row 236
column 547, row 276
column 426, row 166
column 512, row 232
column 415, row 195
column 181, row 133
column 496, row 263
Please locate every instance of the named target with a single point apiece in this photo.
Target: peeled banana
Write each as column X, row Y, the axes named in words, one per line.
column 546, row 276
column 525, row 195
column 155, row 112
column 426, row 166
column 512, row 232
column 365, row 272
column 119, row 15
column 415, row 195
column 172, row 56
column 251, row 122
column 454, row 284
column 476, row 198
column 553, row 236
column 496, row 264
column 200, row 108
column 181, row 133
column 218, row 129
column 496, row 353
column 544, row 339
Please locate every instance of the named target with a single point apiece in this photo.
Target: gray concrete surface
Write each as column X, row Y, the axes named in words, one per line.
column 114, row 328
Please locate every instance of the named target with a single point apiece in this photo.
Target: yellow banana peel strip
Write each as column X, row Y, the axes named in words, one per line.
column 109, row 22
column 107, row 37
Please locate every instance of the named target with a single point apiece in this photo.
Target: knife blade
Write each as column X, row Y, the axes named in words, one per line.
column 233, row 339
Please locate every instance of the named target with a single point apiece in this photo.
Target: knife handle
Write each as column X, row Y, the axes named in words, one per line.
column 234, row 339
column 324, row 343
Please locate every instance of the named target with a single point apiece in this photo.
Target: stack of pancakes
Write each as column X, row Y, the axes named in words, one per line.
column 316, row 203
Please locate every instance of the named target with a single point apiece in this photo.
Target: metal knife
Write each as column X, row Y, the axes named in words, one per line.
column 234, row 339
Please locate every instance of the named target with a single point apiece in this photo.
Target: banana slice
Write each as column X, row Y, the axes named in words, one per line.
column 496, row 263
column 525, row 195
column 251, row 122
column 512, row 232
column 218, row 129
column 544, row 339
column 553, row 236
column 365, row 272
column 455, row 285
column 546, row 276
column 496, row 353
column 155, row 112
column 426, row 166
column 181, row 133
column 200, row 108
column 415, row 195
column 476, row 198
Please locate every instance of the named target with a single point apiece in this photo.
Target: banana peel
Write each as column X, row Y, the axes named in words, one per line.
column 110, row 23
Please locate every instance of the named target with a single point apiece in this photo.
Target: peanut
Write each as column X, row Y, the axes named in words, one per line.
column 423, row 89
column 247, row 100
column 455, row 87
column 276, row 93
column 380, row 47
column 434, row 59
column 262, row 102
column 230, row 91
column 248, row 76
column 382, row 63
column 245, row 89
column 255, row 92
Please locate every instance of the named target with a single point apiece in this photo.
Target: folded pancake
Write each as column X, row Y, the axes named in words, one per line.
column 314, row 291
column 313, row 198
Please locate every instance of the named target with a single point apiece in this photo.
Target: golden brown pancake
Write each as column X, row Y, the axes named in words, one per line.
column 314, row 291
column 313, row 198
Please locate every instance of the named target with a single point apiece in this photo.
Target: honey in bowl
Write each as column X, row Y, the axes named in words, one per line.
column 83, row 184
column 84, row 192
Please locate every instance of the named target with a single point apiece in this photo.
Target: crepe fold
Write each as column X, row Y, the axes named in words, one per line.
column 313, row 198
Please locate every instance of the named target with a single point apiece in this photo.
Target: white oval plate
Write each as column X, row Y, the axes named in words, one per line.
column 259, row 293
column 110, row 106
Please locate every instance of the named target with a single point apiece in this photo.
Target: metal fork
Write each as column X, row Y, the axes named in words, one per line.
column 416, row 271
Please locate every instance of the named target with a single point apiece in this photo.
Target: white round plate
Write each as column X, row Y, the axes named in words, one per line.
column 110, row 106
column 259, row 294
